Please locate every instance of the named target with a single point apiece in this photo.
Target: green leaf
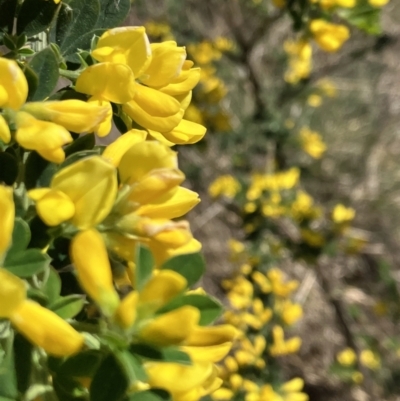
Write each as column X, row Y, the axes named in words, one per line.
column 84, row 142
column 131, row 366
column 52, row 287
column 364, row 17
column 113, row 13
column 83, row 364
column 146, row 351
column 26, row 52
column 191, row 266
column 7, row 13
column 38, row 171
column 172, row 354
column 83, row 43
column 72, row 27
column 21, row 40
column 210, row 309
column 109, row 382
column 31, row 78
column 35, row 16
column 150, row 395
column 8, row 380
column 69, row 306
column 45, row 65
column 166, row 354
column 20, row 237
column 8, row 168
column 144, row 266
column 23, row 362
column 28, row 263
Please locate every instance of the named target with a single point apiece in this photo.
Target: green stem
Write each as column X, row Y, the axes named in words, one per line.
column 72, row 75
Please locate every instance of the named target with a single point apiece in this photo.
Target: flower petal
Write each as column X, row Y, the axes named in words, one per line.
column 13, row 85
column 107, row 81
column 90, row 258
column 91, row 184
column 46, row 329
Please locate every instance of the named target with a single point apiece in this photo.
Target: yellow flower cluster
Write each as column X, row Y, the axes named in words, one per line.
column 40, row 325
column 312, row 143
column 111, row 203
column 348, row 359
column 206, row 108
column 249, row 292
column 328, row 36
column 43, row 127
column 224, row 185
column 299, row 60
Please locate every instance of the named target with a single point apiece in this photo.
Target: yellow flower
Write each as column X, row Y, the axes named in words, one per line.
column 224, row 185
column 282, row 347
column 46, row 329
column 330, row 37
column 342, row 214
column 13, row 85
column 185, row 133
column 83, row 192
column 171, row 328
column 43, row 126
column 299, row 60
column 291, row 390
column 89, row 256
column 291, row 312
column 45, row 137
column 41, row 326
column 150, row 198
column 108, row 81
column 125, row 45
column 209, row 344
column 347, row 357
column 12, row 293
column 162, row 91
column 312, row 143
column 251, row 354
column 7, row 214
column 74, row 115
column 222, row 394
column 369, row 359
column 378, row 3
column 314, row 100
column 166, row 64
column 183, row 382
column 279, row 286
column 158, row 291
column 154, row 110
column 346, row 3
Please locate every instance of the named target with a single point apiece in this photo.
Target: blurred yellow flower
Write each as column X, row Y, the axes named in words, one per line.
column 299, row 60
column 314, row 100
column 347, row 357
column 330, row 37
column 224, row 185
column 370, row 359
column 312, row 143
column 342, row 214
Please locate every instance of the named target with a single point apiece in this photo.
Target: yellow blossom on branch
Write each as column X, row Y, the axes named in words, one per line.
column 329, row 37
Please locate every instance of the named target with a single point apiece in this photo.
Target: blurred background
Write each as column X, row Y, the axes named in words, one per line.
column 299, row 171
